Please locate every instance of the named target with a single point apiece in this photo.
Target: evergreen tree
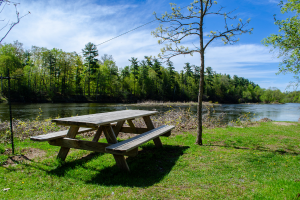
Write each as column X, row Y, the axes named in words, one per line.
column 90, row 53
column 134, row 71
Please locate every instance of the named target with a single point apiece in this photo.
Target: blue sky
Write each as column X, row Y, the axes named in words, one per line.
column 69, row 25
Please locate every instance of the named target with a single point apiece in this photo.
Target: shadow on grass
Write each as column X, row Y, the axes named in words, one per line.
column 64, row 167
column 149, row 167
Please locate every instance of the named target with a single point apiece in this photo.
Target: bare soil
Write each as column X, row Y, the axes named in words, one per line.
column 284, row 123
column 26, row 155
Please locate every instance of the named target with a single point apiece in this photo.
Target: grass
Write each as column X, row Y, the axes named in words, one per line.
column 260, row 162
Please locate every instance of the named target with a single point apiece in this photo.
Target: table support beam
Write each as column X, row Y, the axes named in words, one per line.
column 150, row 126
column 87, row 145
column 133, row 129
column 98, row 134
column 118, row 127
column 111, row 138
column 63, row 152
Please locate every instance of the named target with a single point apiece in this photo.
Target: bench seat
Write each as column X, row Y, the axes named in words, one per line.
column 56, row 135
column 136, row 141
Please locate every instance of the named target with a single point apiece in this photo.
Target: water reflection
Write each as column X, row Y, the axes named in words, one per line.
column 277, row 112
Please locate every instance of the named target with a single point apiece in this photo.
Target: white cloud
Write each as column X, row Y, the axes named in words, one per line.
column 71, row 25
column 64, row 25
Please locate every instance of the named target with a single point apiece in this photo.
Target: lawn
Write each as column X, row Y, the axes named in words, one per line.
column 259, row 162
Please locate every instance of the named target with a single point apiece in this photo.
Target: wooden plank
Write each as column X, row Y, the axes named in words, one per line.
column 59, row 134
column 109, row 134
column 63, row 152
column 98, row 119
column 150, row 126
column 111, row 138
column 118, row 127
column 87, row 145
column 136, row 141
column 148, row 122
column 140, row 131
column 167, row 134
column 121, row 162
column 98, row 134
column 133, row 129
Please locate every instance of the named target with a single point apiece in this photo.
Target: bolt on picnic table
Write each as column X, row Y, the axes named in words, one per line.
column 111, row 124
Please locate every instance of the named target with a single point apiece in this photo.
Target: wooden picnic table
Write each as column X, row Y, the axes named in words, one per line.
column 111, row 124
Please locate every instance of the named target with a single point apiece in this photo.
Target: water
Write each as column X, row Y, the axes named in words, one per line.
column 277, row 112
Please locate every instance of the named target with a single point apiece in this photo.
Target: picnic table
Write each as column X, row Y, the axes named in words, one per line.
column 111, row 124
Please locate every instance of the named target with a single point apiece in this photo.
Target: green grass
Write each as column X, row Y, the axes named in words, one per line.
column 234, row 163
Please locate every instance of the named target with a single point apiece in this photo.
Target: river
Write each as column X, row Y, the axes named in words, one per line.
column 277, row 112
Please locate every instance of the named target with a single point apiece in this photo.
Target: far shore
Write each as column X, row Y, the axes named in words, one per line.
column 168, row 103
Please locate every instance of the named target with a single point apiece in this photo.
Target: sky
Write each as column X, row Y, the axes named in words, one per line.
column 70, row 24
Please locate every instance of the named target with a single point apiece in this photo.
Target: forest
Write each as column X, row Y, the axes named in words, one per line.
column 43, row 75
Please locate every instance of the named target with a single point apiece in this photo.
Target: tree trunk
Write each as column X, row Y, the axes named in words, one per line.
column 201, row 81
column 89, row 86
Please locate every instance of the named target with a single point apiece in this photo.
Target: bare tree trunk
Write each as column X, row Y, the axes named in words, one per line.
column 201, row 81
column 89, row 86
column 97, row 88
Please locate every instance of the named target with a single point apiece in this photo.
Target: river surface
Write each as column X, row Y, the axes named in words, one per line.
column 276, row 112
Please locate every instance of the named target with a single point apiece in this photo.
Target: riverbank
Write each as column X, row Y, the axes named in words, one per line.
column 182, row 119
column 234, row 163
column 169, row 103
column 59, row 98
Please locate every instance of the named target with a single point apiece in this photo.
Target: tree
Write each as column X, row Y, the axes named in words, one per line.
column 156, row 67
column 144, row 72
column 112, row 72
column 90, row 53
column 188, row 69
column 134, row 71
column 287, row 41
column 4, row 3
column 192, row 24
column 171, row 72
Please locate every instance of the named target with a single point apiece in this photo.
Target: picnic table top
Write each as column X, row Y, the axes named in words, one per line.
column 98, row 119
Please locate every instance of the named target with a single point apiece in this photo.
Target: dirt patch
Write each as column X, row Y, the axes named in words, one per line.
column 265, row 120
column 31, row 153
column 284, row 123
column 26, row 155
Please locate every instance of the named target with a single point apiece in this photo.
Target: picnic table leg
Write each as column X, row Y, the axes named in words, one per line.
column 111, row 138
column 118, row 127
column 98, row 134
column 150, row 126
column 133, row 129
column 63, row 152
column 100, row 129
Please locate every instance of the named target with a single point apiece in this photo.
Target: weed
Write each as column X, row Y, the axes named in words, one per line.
column 244, row 120
column 27, row 128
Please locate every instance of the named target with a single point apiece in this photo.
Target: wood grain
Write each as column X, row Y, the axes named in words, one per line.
column 87, row 145
column 63, row 152
column 133, row 129
column 140, row 131
column 118, row 127
column 55, row 135
column 95, row 120
column 111, row 138
column 136, row 141
column 150, row 126
column 98, row 134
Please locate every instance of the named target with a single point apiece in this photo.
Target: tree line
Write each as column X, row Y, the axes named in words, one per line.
column 40, row 74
